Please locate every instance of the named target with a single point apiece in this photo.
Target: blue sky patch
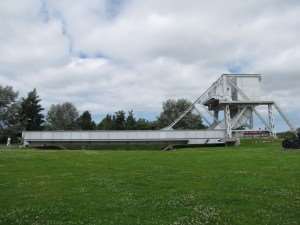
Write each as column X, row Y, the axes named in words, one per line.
column 113, row 8
column 44, row 12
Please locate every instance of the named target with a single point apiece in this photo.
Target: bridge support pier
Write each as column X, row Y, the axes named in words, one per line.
column 228, row 125
column 271, row 120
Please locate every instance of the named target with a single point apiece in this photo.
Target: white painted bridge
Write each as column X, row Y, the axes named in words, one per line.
column 234, row 96
column 56, row 138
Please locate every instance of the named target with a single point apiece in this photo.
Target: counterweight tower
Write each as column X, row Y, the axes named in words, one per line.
column 232, row 103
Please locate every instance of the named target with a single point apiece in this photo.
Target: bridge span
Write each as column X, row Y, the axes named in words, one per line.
column 230, row 104
column 182, row 137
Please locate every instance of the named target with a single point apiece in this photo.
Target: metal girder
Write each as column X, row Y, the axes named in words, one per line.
column 209, row 112
column 241, row 107
column 241, row 75
column 228, row 124
column 268, row 125
column 285, row 118
column 79, row 138
column 251, row 122
column 237, row 118
column 271, row 120
column 191, row 107
column 203, row 117
column 254, row 110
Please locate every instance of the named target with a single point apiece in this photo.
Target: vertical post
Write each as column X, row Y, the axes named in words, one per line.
column 228, row 124
column 216, row 116
column 271, row 120
column 251, row 122
column 225, row 86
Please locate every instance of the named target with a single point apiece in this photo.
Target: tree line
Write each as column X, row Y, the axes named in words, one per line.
column 27, row 113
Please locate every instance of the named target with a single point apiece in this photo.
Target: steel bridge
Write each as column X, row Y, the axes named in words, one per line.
column 228, row 106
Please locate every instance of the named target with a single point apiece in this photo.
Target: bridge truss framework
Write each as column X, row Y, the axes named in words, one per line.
column 231, row 102
column 228, row 95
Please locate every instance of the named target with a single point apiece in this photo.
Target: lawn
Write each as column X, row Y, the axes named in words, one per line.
column 256, row 183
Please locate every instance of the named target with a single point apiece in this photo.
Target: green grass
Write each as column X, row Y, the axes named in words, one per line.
column 256, row 183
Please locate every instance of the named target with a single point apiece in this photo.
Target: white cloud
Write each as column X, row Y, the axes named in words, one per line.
column 139, row 53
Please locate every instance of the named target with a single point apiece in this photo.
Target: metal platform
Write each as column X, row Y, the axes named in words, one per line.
column 189, row 137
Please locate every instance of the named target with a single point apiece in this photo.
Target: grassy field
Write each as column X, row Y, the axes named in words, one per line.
column 256, row 183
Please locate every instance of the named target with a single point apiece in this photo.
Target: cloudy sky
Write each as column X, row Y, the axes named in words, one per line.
column 106, row 55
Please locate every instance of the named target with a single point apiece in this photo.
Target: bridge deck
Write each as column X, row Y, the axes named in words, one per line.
column 35, row 138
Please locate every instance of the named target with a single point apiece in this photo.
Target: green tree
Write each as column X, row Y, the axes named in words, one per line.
column 130, row 121
column 143, row 124
column 7, row 99
column 31, row 116
column 7, row 96
column 172, row 109
column 62, row 117
column 85, row 121
column 119, row 122
column 9, row 114
column 14, row 128
column 106, row 123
